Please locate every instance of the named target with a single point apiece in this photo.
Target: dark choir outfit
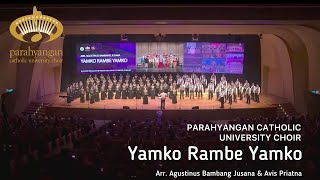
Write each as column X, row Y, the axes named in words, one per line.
column 97, row 99
column 235, row 92
column 131, row 92
column 91, row 95
column 118, row 93
column 165, row 88
column 82, row 95
column 87, row 93
column 114, row 85
column 152, row 92
column 161, row 88
column 124, row 92
column 170, row 91
column 110, row 92
column 103, row 92
column 162, row 81
column 174, row 96
column 165, row 77
column 253, row 92
column 248, row 94
column 170, row 81
column 148, row 88
column 157, row 88
column 230, row 92
column 241, row 93
column 257, row 93
column 145, row 96
column 174, row 84
column 138, row 92
column 68, row 95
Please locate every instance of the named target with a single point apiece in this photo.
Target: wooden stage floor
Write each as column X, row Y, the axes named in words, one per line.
column 154, row 104
column 208, row 109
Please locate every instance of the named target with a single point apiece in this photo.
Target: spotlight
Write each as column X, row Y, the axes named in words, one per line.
column 124, row 37
column 195, row 37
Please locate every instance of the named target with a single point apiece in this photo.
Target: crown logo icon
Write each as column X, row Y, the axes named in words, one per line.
column 36, row 27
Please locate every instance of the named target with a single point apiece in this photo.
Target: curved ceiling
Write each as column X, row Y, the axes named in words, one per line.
column 74, row 12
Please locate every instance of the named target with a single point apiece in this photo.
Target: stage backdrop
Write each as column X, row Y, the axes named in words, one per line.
column 171, row 43
column 159, row 48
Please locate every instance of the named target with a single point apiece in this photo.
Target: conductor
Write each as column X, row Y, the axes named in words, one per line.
column 163, row 96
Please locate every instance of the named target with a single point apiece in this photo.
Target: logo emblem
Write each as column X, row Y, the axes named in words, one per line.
column 36, row 27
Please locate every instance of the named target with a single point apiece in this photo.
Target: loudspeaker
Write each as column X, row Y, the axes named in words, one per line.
column 124, row 37
column 195, row 107
column 126, row 107
column 195, row 37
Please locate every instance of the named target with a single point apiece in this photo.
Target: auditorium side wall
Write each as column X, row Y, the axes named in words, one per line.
column 276, row 71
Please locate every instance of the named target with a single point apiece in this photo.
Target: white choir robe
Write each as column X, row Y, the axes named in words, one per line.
column 211, row 87
column 258, row 90
column 218, row 89
column 241, row 89
column 182, row 87
column 200, row 88
column 230, row 92
column 253, row 89
column 248, row 90
column 214, row 81
column 204, row 81
column 235, row 90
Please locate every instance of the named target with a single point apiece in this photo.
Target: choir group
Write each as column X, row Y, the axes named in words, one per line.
column 185, row 86
column 159, row 61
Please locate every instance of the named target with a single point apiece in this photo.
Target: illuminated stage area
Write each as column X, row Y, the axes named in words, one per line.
column 208, row 109
column 183, row 104
column 83, row 104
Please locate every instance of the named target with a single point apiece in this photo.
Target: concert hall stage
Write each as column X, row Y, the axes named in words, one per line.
column 208, row 109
